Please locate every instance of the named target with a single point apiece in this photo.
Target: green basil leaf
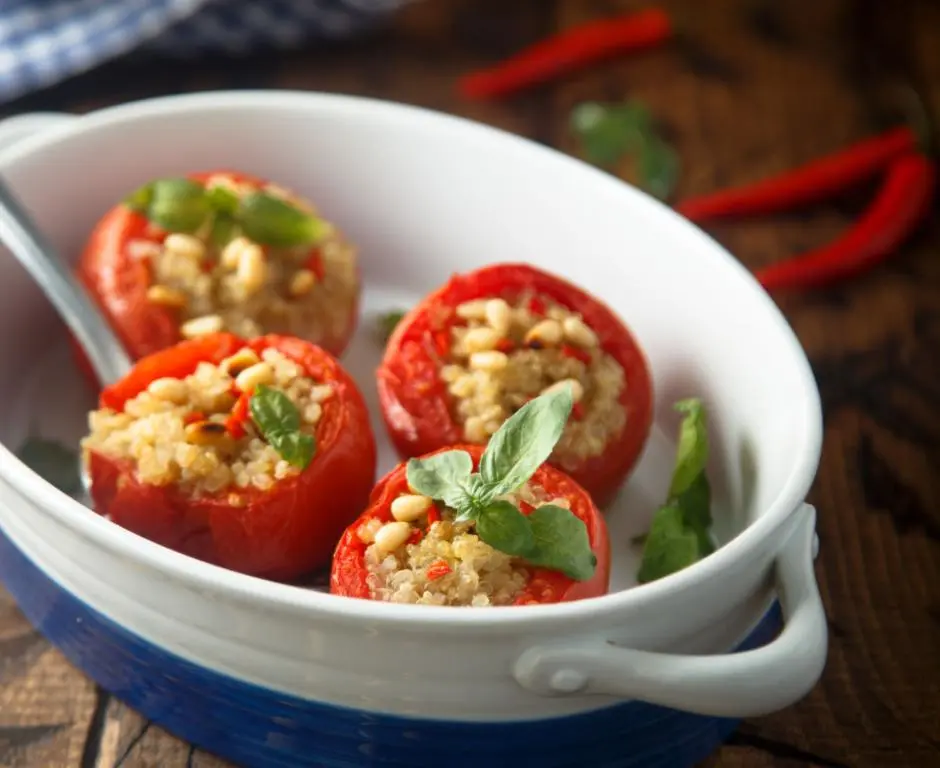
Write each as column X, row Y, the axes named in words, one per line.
column 53, row 462
column 224, row 230
column 278, row 421
column 561, row 543
column 504, row 527
column 692, row 451
column 139, row 199
column 695, row 503
column 176, row 205
column 443, row 476
column 659, row 168
column 296, row 448
column 223, row 200
column 523, row 442
column 670, row 546
column 268, row 220
column 388, row 321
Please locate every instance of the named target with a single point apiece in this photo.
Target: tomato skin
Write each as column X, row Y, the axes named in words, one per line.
column 415, row 402
column 348, row 576
column 279, row 534
column 118, row 283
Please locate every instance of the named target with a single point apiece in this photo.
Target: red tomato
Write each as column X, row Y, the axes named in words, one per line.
column 118, row 282
column 349, row 576
column 417, row 407
column 280, row 533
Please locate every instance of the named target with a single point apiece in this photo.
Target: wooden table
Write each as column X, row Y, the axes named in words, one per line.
column 751, row 89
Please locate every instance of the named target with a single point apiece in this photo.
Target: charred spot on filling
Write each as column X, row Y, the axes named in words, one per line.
column 422, row 556
column 197, row 432
column 502, row 355
column 246, row 289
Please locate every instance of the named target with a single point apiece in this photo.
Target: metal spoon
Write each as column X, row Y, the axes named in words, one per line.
column 21, row 235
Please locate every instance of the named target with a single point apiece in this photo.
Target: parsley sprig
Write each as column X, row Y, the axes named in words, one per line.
column 550, row 536
column 679, row 534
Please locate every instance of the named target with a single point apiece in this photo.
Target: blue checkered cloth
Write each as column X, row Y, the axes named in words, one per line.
column 45, row 41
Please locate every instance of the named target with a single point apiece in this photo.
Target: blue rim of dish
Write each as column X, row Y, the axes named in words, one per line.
column 255, row 726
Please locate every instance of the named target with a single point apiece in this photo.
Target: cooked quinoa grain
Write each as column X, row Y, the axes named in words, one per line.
column 249, row 290
column 502, row 355
column 178, row 431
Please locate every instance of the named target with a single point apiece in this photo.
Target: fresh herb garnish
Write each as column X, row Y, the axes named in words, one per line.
column 388, row 321
column 549, row 537
column 679, row 534
column 183, row 205
column 609, row 133
column 278, row 421
column 53, row 462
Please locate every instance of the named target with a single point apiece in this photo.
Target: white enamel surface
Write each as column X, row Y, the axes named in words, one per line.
column 424, row 195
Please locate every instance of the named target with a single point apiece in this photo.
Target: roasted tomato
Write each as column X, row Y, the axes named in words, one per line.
column 449, row 564
column 220, row 251
column 252, row 455
column 474, row 351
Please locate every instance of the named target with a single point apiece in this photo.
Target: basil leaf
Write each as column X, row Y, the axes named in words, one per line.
column 224, row 230
column 176, row 205
column 223, row 200
column 692, row 452
column 388, row 322
column 278, row 421
column 443, row 476
column 523, row 442
column 670, row 546
column 561, row 543
column 695, row 504
column 53, row 462
column 505, row 528
column 268, row 220
column 659, row 168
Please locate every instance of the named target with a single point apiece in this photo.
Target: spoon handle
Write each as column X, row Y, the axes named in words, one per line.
column 21, row 235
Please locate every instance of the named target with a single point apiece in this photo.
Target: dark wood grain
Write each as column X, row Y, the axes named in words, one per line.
column 751, row 88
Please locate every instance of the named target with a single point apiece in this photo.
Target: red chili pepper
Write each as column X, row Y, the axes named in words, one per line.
column 434, row 515
column 576, row 353
column 813, row 182
column 567, row 52
column 438, row 570
column 235, row 423
column 506, row 346
column 903, row 200
column 536, row 306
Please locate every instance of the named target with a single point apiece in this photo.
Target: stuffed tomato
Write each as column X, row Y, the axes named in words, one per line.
column 184, row 257
column 516, row 539
column 477, row 349
column 253, row 455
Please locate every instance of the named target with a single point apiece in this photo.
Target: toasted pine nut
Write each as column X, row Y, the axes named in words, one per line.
column 474, row 430
column 577, row 332
column 173, row 390
column 577, row 389
column 201, row 326
column 547, row 332
column 185, row 245
column 234, row 365
column 462, row 386
column 499, row 316
column 480, row 339
column 233, row 251
column 301, row 282
column 489, row 361
column 250, row 378
column 410, row 507
column 168, row 297
column 391, row 536
column 252, row 270
column 472, row 310
column 209, row 433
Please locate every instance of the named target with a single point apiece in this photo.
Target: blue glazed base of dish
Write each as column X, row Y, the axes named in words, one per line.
column 254, row 726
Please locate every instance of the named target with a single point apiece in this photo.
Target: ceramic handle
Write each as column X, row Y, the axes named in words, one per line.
column 737, row 685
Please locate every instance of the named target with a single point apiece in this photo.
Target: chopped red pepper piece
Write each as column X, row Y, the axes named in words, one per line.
column 438, row 570
column 569, row 350
column 235, row 423
column 506, row 346
column 525, row 508
column 434, row 515
column 577, row 412
column 193, row 416
column 536, row 306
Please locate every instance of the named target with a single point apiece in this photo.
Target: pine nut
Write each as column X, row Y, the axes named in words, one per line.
column 173, row 390
column 201, row 326
column 489, row 361
column 472, row 310
column 168, row 297
column 463, row 386
column 253, row 377
column 301, row 282
column 185, row 245
column 474, row 430
column 547, row 332
column 233, row 251
column 499, row 316
column 252, row 269
column 480, row 339
column 410, row 507
column 578, row 333
column 577, row 389
column 391, row 536
column 234, row 365
column 209, row 433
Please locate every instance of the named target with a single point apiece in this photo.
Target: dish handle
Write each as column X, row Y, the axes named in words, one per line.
column 735, row 685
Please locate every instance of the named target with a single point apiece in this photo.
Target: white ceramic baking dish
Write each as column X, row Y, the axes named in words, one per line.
column 268, row 674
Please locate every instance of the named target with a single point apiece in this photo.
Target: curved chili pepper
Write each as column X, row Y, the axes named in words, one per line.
column 813, row 182
column 568, row 51
column 903, row 200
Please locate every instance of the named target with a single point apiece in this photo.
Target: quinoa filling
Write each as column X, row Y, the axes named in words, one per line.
column 502, row 355
column 197, row 432
column 423, row 557
column 248, row 289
